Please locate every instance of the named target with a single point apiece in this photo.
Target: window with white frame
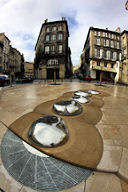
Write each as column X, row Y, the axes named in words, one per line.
column 46, row 49
column 98, row 41
column 47, row 29
column 112, row 36
column 60, row 36
column 59, row 28
column 118, row 45
column 95, row 52
column 60, row 48
column 47, row 38
column 52, row 62
column 54, row 28
column 108, row 54
column 112, row 44
column 107, row 43
column 114, row 56
column 103, row 34
column 53, row 37
column 101, row 53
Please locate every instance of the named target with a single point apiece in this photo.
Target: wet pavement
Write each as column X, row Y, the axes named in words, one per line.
column 111, row 173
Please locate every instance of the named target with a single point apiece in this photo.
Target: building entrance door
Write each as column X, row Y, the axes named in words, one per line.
column 50, row 73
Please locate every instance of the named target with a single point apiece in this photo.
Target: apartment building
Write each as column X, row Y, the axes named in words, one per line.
column 124, row 62
column 102, row 50
column 29, row 69
column 5, row 53
column 11, row 60
column 1, row 57
column 52, row 53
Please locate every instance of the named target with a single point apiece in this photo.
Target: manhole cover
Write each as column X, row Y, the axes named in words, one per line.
column 67, row 108
column 48, row 131
column 38, row 171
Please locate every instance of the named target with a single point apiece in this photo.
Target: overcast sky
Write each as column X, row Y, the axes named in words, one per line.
column 21, row 20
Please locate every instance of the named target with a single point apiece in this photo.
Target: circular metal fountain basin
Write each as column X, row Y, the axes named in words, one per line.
column 48, row 131
column 83, row 93
column 67, row 108
column 81, row 99
column 93, row 92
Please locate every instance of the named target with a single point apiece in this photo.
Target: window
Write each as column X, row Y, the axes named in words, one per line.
column 118, row 37
column 53, row 37
column 114, row 55
column 112, row 36
column 105, row 64
column 59, row 28
column 103, row 34
column 47, row 49
column 60, row 47
column 112, row 65
column 53, row 28
column 98, row 41
column 47, row 29
column 97, row 33
column 101, row 53
column 108, row 54
column 112, row 43
column 98, row 63
column 95, row 52
column 47, row 38
column 60, row 36
column 107, row 43
column 52, row 48
column 106, row 34
column 118, row 45
column 52, row 62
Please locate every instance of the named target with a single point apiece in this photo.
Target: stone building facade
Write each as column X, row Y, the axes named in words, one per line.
column 124, row 62
column 28, row 69
column 11, row 60
column 5, row 53
column 101, row 52
column 52, row 53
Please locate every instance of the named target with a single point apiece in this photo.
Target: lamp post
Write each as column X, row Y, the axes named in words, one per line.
column 101, row 76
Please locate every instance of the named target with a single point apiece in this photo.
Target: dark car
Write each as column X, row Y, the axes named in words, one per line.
column 26, row 80
column 4, row 80
column 86, row 78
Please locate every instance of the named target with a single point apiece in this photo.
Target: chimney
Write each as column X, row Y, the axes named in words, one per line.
column 46, row 20
column 117, row 30
column 63, row 18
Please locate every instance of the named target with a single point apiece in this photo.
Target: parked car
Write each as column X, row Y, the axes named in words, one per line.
column 86, row 78
column 26, row 80
column 4, row 80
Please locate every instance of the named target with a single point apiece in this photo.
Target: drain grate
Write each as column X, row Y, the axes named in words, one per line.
column 38, row 172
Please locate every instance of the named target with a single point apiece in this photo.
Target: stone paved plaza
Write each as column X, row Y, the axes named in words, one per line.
column 111, row 174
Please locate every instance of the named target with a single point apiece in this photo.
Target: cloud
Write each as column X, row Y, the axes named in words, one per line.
column 21, row 20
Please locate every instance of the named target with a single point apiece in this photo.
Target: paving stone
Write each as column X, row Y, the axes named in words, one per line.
column 124, row 186
column 123, row 170
column 103, row 182
column 27, row 189
column 7, row 183
column 114, row 134
column 110, row 160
